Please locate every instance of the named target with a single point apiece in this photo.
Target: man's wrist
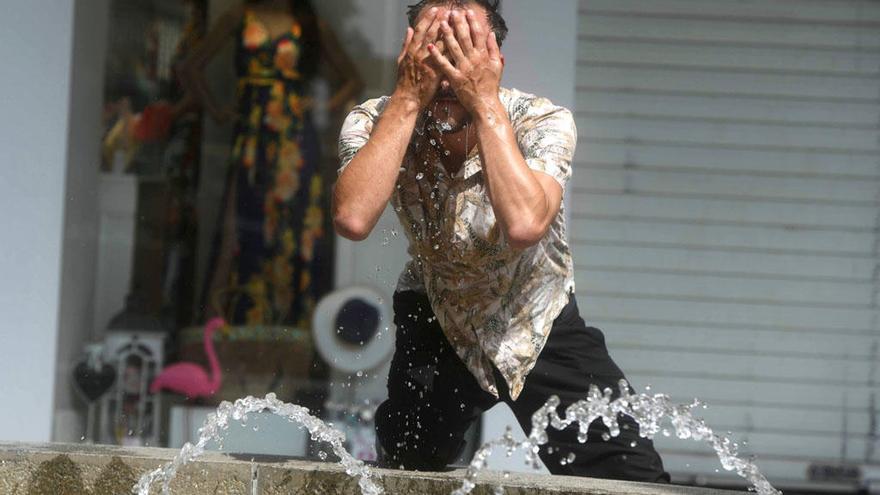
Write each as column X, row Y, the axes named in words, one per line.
column 406, row 103
column 489, row 112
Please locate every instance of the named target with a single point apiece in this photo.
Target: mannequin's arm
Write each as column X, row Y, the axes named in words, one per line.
column 193, row 68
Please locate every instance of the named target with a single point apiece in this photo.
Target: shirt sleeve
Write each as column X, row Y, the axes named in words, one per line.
column 547, row 137
column 356, row 131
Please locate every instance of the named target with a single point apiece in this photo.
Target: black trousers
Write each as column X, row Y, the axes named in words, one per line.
column 433, row 399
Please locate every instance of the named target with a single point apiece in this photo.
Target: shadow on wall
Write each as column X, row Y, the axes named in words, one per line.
column 358, row 24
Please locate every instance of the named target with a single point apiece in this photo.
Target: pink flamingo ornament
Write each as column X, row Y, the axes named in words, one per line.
column 190, row 379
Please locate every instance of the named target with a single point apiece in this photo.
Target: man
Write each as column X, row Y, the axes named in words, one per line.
column 484, row 309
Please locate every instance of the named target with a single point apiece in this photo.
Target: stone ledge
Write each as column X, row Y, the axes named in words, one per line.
column 62, row 469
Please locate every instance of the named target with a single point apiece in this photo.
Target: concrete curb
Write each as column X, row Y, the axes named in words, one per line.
column 62, row 469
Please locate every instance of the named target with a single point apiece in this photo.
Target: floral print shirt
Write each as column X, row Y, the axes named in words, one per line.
column 495, row 304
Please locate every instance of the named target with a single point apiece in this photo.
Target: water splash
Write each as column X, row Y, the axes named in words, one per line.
column 647, row 411
column 218, row 423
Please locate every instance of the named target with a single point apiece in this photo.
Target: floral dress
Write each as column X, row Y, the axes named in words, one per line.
column 265, row 257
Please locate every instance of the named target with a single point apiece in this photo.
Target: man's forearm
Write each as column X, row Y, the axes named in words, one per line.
column 365, row 186
column 518, row 199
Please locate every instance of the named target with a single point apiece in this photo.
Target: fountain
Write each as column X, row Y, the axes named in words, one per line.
column 218, row 422
column 647, row 411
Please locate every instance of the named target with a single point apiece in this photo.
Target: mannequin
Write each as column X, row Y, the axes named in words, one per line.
column 273, row 210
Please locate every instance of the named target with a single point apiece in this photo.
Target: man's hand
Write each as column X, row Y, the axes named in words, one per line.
column 417, row 80
column 475, row 75
column 367, row 183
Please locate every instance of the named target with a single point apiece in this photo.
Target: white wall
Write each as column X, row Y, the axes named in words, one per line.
column 35, row 95
column 50, row 120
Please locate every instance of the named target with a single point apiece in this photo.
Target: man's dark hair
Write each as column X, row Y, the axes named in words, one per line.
column 492, row 7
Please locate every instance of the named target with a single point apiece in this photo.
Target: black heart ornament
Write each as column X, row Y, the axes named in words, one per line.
column 92, row 383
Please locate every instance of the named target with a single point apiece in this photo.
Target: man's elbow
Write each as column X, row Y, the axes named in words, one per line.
column 351, row 228
column 526, row 235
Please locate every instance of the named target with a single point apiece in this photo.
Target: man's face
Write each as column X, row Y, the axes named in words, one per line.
column 446, row 107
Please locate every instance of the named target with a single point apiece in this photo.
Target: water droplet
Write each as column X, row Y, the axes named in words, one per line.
column 645, row 410
column 633, row 444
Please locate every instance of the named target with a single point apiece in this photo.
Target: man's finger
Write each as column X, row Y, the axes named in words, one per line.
column 442, row 62
column 477, row 35
column 492, row 46
column 431, row 34
column 452, row 45
column 422, row 27
column 462, row 32
column 407, row 39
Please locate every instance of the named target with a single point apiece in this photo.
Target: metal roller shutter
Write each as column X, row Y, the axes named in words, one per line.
column 725, row 218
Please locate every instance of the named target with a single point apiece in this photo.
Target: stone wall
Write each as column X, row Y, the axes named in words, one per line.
column 60, row 469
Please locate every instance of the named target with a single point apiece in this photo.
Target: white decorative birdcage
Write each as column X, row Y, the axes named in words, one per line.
column 130, row 414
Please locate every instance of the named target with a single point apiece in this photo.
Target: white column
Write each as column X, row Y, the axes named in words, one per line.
column 541, row 48
column 48, row 107
column 33, row 133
